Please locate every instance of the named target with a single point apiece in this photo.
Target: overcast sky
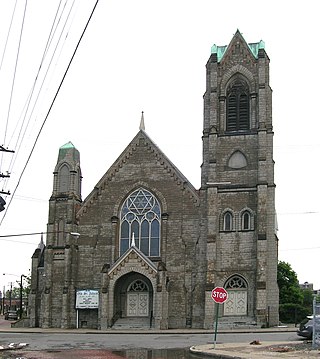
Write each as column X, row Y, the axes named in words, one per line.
column 149, row 56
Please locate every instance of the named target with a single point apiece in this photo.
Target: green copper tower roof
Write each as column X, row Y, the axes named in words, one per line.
column 254, row 48
column 68, row 152
column 67, row 145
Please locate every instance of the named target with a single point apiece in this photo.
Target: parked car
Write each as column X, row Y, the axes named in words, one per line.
column 11, row 314
column 306, row 327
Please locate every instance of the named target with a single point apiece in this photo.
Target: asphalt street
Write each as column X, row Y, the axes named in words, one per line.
column 82, row 344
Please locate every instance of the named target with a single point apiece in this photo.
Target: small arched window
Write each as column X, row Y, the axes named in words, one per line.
column 237, row 107
column 246, row 220
column 227, row 221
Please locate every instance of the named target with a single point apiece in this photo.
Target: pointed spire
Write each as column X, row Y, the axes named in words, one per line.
column 133, row 243
column 142, row 122
column 41, row 244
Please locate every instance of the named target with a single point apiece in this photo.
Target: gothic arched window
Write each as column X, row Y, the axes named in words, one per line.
column 140, row 216
column 227, row 221
column 237, row 107
column 247, row 220
column 64, row 178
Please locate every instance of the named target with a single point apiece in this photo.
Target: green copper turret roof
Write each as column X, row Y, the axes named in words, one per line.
column 69, row 153
column 67, row 145
column 254, row 48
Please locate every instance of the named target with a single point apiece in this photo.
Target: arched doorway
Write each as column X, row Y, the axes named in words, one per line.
column 133, row 296
column 237, row 302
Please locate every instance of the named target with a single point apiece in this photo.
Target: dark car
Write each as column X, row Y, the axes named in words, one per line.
column 11, row 314
column 306, row 327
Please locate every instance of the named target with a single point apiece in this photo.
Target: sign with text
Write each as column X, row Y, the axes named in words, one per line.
column 219, row 295
column 87, row 299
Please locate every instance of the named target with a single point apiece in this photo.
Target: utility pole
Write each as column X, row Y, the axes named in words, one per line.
column 2, row 201
column 3, row 299
column 10, row 296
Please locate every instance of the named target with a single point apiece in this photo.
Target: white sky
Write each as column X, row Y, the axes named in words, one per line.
column 150, row 56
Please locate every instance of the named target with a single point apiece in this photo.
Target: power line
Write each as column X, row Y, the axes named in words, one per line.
column 51, row 35
column 298, row 249
column 52, row 103
column 8, row 34
column 15, row 71
column 24, row 234
column 296, row 213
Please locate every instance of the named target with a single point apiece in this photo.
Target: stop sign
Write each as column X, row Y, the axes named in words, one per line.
column 219, row 295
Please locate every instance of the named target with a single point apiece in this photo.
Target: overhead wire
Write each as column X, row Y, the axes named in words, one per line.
column 15, row 71
column 20, row 138
column 8, row 35
column 2, row 58
column 19, row 143
column 49, row 110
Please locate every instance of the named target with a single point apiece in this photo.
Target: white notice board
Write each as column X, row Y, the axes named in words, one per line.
column 87, row 299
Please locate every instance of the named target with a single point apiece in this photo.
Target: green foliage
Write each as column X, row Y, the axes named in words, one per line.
column 307, row 299
column 292, row 313
column 15, row 293
column 289, row 290
column 295, row 303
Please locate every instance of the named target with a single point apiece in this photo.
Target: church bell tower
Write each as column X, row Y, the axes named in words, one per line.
column 237, row 182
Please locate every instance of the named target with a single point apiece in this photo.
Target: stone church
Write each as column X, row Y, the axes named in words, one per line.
column 145, row 246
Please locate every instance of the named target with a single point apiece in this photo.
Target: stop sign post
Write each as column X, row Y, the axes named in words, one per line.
column 219, row 296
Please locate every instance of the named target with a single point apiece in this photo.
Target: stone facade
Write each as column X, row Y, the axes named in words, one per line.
column 153, row 246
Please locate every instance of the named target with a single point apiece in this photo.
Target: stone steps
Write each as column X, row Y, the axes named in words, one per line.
column 236, row 322
column 132, row 323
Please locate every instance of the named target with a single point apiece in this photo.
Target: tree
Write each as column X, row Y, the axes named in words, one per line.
column 15, row 292
column 294, row 303
column 289, row 289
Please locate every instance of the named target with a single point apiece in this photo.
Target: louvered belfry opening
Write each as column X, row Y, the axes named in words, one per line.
column 238, row 106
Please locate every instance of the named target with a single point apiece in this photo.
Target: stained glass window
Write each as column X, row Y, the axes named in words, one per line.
column 140, row 215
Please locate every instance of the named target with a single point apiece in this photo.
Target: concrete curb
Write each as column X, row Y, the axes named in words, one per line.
column 144, row 331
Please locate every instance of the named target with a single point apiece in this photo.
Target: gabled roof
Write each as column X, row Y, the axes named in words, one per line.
column 253, row 47
column 164, row 161
column 121, row 262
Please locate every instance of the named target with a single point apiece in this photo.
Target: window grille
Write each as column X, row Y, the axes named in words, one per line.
column 236, row 282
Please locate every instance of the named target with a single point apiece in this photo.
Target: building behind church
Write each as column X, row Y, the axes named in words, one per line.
column 151, row 246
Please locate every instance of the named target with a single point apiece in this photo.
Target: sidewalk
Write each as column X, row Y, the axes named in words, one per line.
column 262, row 351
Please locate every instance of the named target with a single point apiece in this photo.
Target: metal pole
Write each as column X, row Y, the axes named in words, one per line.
column 3, row 299
column 10, row 296
column 77, row 326
column 216, row 326
column 20, row 314
column 314, row 323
